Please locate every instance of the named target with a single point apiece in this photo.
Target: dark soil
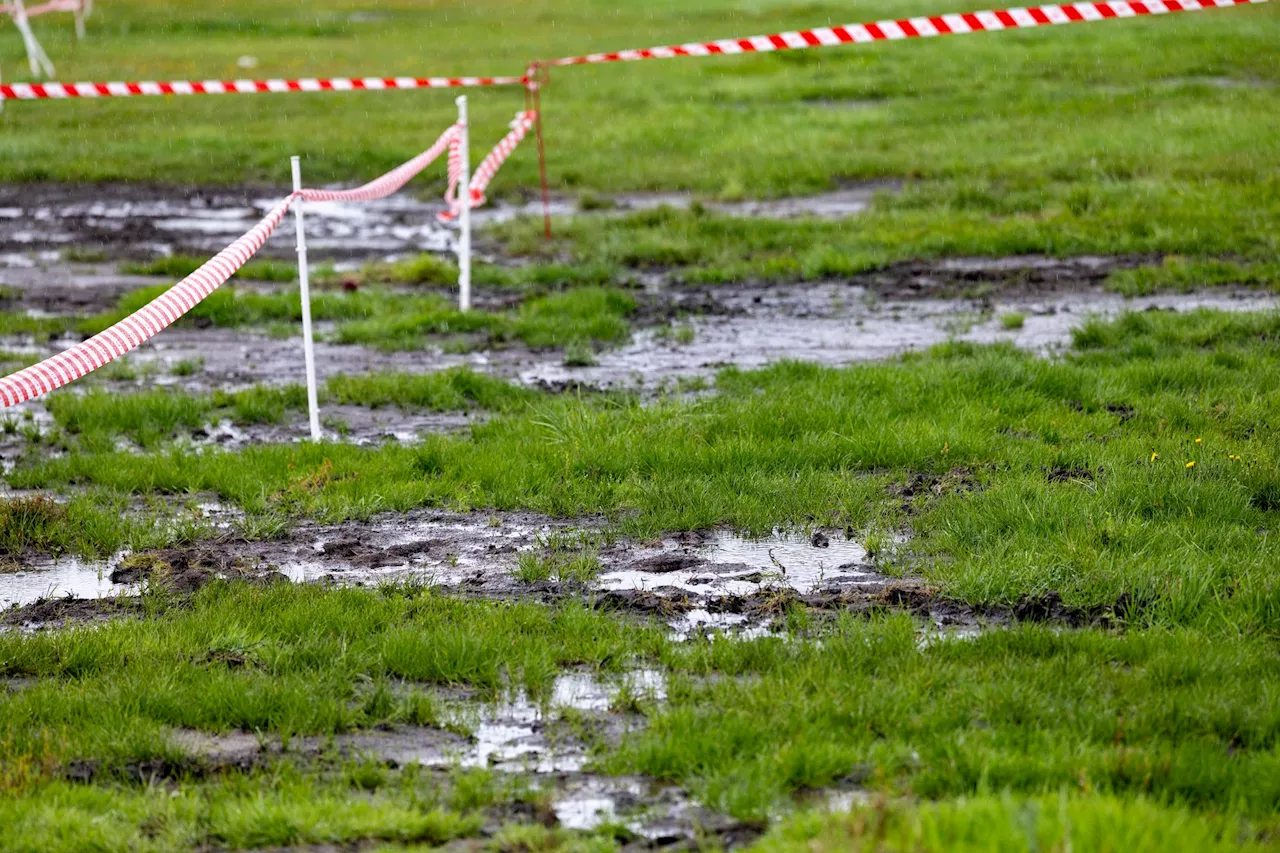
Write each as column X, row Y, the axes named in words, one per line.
column 185, row 570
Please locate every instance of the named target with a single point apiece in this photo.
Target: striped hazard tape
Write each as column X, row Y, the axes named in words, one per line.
column 488, row 167
column 907, row 28
column 157, row 315
column 39, row 91
column 926, row 27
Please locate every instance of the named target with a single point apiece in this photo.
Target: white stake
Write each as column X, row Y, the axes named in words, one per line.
column 36, row 57
column 308, row 351
column 464, row 219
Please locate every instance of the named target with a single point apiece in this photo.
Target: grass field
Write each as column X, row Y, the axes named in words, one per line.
column 1086, row 138
column 1071, row 640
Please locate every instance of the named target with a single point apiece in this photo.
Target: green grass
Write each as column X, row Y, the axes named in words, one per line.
column 290, row 660
column 1183, row 275
column 993, row 823
column 1033, row 710
column 148, row 418
column 1163, row 721
column 944, row 218
column 794, row 444
column 92, row 524
column 378, row 318
column 279, row 808
column 1013, row 320
column 1144, row 135
column 560, row 558
column 452, row 390
column 181, row 266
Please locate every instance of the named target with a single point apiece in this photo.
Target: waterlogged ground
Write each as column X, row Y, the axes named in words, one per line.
column 696, row 582
column 128, row 220
column 690, row 686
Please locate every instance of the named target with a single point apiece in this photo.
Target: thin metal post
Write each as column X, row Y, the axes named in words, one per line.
column 36, row 57
column 464, row 218
column 308, row 347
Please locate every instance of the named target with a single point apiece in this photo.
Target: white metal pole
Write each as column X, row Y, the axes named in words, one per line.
column 36, row 57
column 308, row 347
column 464, row 219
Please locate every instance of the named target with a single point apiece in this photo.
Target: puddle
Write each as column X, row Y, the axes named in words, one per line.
column 691, row 580
column 725, row 564
column 836, row 204
column 446, row 549
column 67, row 577
column 660, row 814
column 512, row 735
column 143, row 221
column 835, row 324
column 516, row 735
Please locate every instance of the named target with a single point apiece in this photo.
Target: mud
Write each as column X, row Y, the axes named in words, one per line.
column 839, row 324
column 140, row 220
column 697, row 583
column 748, row 327
column 49, row 591
column 516, row 738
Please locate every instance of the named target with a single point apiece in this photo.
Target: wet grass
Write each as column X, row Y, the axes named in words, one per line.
column 377, row 317
column 181, row 266
column 1168, row 713
column 279, row 807
column 1089, row 476
column 30, row 522
column 935, row 220
column 94, row 523
column 1184, row 275
column 1163, row 720
column 564, row 558
column 148, row 418
column 289, row 660
column 1161, row 141
column 1013, row 320
column 994, row 823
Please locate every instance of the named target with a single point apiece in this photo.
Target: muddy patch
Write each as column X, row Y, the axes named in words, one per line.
column 516, row 738
column 839, row 324
column 698, row 583
column 749, row 327
column 723, row 564
column 47, row 591
column 518, row 734
column 140, row 221
column 489, row 555
column 137, row 220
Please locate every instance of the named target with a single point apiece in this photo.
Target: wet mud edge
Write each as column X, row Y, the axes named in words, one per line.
column 476, row 554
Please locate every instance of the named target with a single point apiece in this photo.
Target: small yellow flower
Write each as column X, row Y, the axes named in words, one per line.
column 1191, row 464
column 1198, row 441
column 1154, row 456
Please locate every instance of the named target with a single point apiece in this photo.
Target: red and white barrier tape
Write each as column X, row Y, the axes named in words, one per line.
column 922, row 27
column 393, row 180
column 38, row 91
column 164, row 310
column 940, row 25
column 44, row 8
column 486, row 170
